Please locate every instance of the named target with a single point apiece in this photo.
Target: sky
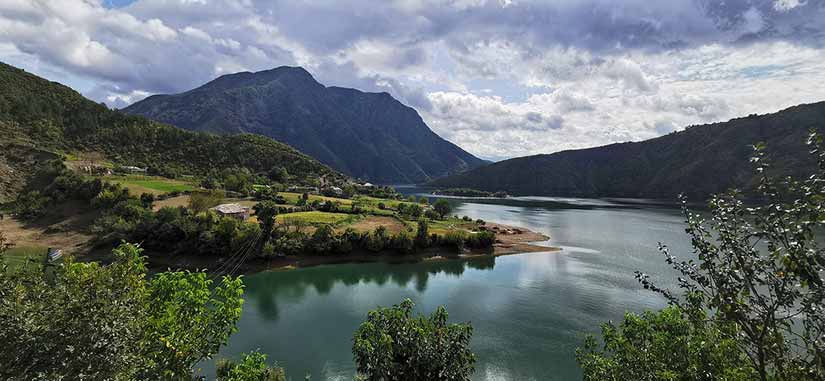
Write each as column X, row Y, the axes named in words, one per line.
column 500, row 78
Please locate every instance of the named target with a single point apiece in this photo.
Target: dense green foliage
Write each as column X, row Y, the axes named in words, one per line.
column 760, row 277
column 392, row 344
column 467, row 192
column 43, row 115
column 699, row 161
column 55, row 184
column 368, row 135
column 252, row 367
column 89, row 321
column 664, row 345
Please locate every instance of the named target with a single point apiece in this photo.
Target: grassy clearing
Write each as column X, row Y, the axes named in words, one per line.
column 174, row 202
column 151, row 184
column 320, row 218
column 441, row 227
column 365, row 201
column 292, row 198
column 17, row 256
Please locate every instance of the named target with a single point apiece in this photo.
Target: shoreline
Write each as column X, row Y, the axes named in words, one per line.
column 516, row 240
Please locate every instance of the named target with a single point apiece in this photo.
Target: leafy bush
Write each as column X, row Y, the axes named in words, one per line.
column 89, row 321
column 392, row 344
column 454, row 240
column 402, row 243
column 253, row 367
column 480, row 240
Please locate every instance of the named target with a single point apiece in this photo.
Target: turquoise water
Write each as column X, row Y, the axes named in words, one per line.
column 529, row 311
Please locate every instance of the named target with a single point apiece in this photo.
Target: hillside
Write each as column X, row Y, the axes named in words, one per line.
column 367, row 135
column 699, row 161
column 42, row 120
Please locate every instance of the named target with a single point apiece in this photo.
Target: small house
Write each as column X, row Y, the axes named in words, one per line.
column 133, row 169
column 337, row 191
column 237, row 211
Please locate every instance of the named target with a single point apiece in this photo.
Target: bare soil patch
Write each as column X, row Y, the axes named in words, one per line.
column 369, row 224
column 66, row 227
column 182, row 200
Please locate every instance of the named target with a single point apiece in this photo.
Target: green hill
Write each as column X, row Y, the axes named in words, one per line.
column 42, row 120
column 699, row 161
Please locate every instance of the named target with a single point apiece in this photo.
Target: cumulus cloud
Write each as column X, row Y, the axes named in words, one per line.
column 500, row 78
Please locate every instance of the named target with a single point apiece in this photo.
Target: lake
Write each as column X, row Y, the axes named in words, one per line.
column 529, row 311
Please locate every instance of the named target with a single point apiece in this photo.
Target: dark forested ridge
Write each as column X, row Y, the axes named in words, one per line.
column 699, row 161
column 40, row 119
column 367, row 135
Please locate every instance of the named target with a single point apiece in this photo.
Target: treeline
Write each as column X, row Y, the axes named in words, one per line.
column 292, row 239
column 469, row 192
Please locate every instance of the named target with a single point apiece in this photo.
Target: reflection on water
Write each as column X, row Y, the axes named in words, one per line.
column 529, row 311
column 265, row 290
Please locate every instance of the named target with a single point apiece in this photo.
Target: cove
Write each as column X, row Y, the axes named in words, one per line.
column 529, row 311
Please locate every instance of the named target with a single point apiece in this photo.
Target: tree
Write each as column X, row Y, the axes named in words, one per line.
column 422, row 235
column 252, row 367
column 265, row 211
column 442, row 207
column 89, row 321
column 394, row 345
column 202, row 201
column 278, row 174
column 147, row 200
column 759, row 275
column 414, row 211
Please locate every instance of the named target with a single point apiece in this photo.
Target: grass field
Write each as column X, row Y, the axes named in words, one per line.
column 292, row 198
column 17, row 256
column 318, row 218
column 150, row 184
column 441, row 227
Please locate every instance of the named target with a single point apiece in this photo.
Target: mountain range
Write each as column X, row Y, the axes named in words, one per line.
column 367, row 135
column 697, row 161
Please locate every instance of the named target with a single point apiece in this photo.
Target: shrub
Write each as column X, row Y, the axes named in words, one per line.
column 454, row 240
column 480, row 240
column 392, row 344
column 252, row 367
column 402, row 243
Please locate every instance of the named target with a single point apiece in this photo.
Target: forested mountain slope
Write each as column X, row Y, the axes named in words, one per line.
column 41, row 120
column 367, row 135
column 699, row 161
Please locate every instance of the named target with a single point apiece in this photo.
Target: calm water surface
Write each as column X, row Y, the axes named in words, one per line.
column 529, row 311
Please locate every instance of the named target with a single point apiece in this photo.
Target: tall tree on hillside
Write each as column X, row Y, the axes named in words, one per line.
column 757, row 290
column 265, row 211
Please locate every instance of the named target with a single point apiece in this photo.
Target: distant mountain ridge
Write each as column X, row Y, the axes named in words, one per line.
column 367, row 135
column 698, row 161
